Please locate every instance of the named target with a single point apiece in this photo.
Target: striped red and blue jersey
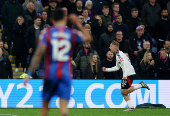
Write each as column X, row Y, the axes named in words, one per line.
column 60, row 42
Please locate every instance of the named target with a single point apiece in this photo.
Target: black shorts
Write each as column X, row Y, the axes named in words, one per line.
column 125, row 84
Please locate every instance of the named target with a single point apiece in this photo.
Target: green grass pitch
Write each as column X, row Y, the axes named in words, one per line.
column 87, row 112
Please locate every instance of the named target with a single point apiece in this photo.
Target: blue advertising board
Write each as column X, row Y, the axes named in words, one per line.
column 84, row 94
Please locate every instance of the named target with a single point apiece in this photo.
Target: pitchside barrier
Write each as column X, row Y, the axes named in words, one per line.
column 85, row 94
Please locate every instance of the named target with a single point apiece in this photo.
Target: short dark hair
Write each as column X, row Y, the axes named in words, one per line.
column 79, row 0
column 113, row 5
column 134, row 9
column 109, row 51
column 165, row 42
column 37, row 17
column 115, row 43
column 85, row 9
column 119, row 31
column 1, row 40
column 105, row 6
column 118, row 15
column 57, row 14
column 44, row 11
column 162, row 49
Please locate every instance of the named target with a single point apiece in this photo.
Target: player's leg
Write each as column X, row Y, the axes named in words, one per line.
column 63, row 107
column 124, row 92
column 138, row 86
column 44, row 110
column 49, row 88
column 64, row 93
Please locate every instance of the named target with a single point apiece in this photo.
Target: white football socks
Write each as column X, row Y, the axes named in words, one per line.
column 138, row 86
column 129, row 104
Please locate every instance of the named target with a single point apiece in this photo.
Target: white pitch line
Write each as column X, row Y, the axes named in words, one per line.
column 8, row 115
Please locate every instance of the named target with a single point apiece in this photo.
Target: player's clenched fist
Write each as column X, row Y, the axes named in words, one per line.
column 124, row 78
column 104, row 69
column 73, row 19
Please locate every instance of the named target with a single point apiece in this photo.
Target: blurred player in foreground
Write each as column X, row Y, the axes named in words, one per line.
column 128, row 74
column 57, row 42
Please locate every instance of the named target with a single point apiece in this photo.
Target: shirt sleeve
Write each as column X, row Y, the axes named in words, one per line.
column 78, row 36
column 43, row 38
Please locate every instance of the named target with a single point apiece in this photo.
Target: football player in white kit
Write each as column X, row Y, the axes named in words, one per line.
column 128, row 74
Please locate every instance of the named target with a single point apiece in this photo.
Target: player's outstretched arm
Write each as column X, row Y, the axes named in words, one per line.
column 73, row 18
column 35, row 60
column 115, row 68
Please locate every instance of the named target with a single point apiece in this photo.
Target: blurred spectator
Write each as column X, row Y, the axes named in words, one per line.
column 79, row 9
column 146, row 47
column 91, row 12
column 52, row 6
column 162, row 28
column 10, row 11
column 94, row 42
column 97, row 27
column 166, row 46
column 110, row 4
column 93, row 69
column 38, row 6
column 162, row 65
column 124, row 44
column 5, row 53
column 81, row 47
column 150, row 14
column 147, row 66
column 146, row 33
column 32, row 35
column 119, row 25
column 137, row 40
column 71, row 6
column 83, row 57
column 109, row 62
column 105, row 39
column 80, row 20
column 115, row 12
column 133, row 21
column 5, row 67
column 29, row 14
column 19, row 47
column 139, row 4
column 106, row 17
column 45, row 19
column 125, row 9
column 97, row 6
column 86, row 17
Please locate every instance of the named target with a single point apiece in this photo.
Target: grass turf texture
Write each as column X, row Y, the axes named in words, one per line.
column 87, row 112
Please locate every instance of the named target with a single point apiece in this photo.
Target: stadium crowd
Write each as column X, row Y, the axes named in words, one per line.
column 141, row 27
